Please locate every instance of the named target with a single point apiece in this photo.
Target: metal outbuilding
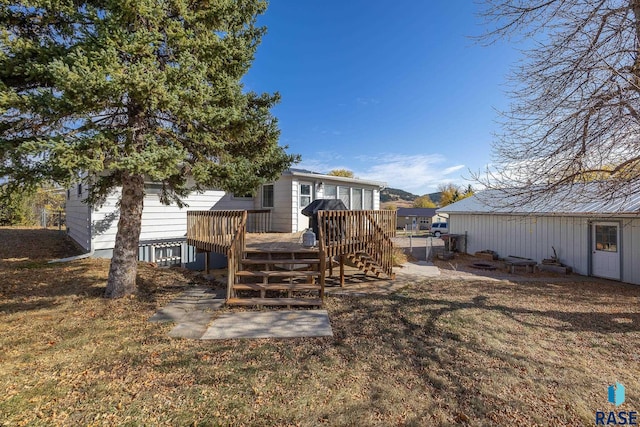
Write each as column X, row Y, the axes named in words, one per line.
column 598, row 238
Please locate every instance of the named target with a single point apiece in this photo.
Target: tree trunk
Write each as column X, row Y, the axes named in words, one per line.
column 124, row 263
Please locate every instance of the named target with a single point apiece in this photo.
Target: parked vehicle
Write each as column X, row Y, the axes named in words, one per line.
column 439, row 228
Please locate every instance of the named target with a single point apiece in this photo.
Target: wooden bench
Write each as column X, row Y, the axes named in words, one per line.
column 511, row 262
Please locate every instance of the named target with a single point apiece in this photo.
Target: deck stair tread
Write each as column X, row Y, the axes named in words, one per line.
column 365, row 263
column 278, row 273
column 280, row 261
column 275, row 301
column 280, row 252
column 276, row 286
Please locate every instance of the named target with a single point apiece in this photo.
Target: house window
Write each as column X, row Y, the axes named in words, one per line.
column 356, row 194
column 267, row 196
column 345, row 196
column 305, row 195
column 68, row 194
column 330, row 192
column 367, row 203
column 80, row 190
column 167, row 255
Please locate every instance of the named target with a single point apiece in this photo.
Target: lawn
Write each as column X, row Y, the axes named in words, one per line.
column 441, row 352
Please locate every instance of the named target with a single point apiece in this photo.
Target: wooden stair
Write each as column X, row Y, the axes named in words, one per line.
column 365, row 263
column 278, row 278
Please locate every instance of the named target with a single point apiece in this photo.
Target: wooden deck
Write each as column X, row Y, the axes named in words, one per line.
column 276, row 242
column 277, row 264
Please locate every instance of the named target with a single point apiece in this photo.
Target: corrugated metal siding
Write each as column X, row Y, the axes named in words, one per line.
column 158, row 221
column 527, row 236
column 631, row 250
column 534, row 236
column 78, row 218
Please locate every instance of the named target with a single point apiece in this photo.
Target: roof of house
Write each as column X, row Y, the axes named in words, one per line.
column 424, row 212
column 320, row 176
column 571, row 201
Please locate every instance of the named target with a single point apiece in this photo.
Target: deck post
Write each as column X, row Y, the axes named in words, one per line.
column 341, row 271
column 206, row 262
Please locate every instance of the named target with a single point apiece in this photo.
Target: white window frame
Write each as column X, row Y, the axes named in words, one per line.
column 301, row 203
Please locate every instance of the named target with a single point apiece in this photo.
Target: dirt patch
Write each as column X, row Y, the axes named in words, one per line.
column 461, row 266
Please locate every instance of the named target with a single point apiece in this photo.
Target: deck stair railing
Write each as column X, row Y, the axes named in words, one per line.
column 362, row 236
column 221, row 232
column 256, row 271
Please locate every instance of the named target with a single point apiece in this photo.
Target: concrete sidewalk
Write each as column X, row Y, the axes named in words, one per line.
column 270, row 324
column 192, row 311
column 418, row 269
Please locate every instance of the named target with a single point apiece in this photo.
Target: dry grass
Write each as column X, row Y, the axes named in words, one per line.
column 473, row 352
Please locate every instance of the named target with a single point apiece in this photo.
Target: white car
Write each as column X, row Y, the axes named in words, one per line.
column 439, row 228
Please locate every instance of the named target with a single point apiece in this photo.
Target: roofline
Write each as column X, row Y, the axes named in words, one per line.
column 317, row 176
column 580, row 214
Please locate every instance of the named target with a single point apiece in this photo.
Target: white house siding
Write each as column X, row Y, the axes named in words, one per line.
column 376, row 199
column 282, row 210
column 158, row 221
column 78, row 218
column 527, row 236
column 297, row 223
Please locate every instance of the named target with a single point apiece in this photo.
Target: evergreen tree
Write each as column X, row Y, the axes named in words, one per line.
column 119, row 92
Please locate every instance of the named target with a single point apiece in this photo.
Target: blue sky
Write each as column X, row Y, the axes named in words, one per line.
column 394, row 91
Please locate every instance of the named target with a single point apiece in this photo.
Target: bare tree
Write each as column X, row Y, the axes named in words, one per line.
column 575, row 116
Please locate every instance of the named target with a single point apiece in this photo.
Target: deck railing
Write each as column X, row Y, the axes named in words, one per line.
column 258, row 221
column 351, row 232
column 221, row 232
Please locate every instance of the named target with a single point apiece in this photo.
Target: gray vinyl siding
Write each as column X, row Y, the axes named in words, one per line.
column 232, row 203
column 78, row 218
column 534, row 236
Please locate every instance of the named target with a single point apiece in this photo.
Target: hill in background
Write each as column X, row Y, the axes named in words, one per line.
column 395, row 194
column 402, row 199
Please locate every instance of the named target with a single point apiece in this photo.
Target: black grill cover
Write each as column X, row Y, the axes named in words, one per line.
column 321, row 205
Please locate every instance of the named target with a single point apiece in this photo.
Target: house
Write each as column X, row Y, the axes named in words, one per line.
column 416, row 218
column 419, row 218
column 296, row 188
column 600, row 238
column 162, row 238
